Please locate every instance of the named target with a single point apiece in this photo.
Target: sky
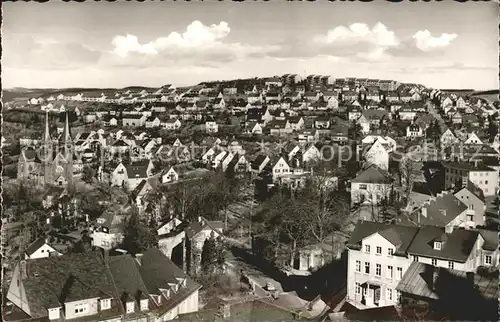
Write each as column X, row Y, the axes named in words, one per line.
column 114, row 45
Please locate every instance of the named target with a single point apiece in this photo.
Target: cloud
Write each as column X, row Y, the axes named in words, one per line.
column 426, row 42
column 378, row 36
column 198, row 45
column 41, row 54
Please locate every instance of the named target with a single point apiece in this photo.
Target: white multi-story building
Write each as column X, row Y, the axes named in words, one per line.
column 379, row 255
column 458, row 173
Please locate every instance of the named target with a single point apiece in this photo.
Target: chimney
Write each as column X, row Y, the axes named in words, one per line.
column 435, row 276
column 138, row 258
column 475, row 163
column 200, row 220
column 449, row 229
column 470, row 279
column 24, row 271
column 423, row 210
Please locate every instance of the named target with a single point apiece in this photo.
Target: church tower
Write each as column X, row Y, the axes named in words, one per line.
column 67, row 150
column 47, row 153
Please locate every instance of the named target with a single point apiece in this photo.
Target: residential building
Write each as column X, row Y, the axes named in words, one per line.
column 40, row 248
column 458, row 173
column 371, row 185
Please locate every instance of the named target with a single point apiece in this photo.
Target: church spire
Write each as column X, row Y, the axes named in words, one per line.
column 66, row 135
column 46, row 137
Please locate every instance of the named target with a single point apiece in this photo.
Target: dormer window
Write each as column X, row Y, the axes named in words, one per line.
column 130, row 307
column 54, row 313
column 437, row 245
column 105, row 304
column 144, row 304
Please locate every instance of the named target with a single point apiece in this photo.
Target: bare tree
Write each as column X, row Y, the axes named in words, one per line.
column 408, row 170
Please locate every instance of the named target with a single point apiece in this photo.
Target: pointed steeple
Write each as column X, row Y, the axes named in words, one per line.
column 66, row 135
column 46, row 136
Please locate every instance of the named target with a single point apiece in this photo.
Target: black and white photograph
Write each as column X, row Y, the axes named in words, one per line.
column 250, row 161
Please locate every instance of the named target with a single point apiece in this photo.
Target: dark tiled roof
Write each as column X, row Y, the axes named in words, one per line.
column 55, row 280
column 417, row 280
column 373, row 174
column 467, row 166
column 399, row 236
column 137, row 171
column 490, row 239
column 456, row 247
column 34, row 246
column 128, row 281
column 441, row 211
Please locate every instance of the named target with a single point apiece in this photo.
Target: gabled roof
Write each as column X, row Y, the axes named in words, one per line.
column 137, row 170
column 398, row 235
column 55, row 280
column 457, row 247
column 373, row 174
column 34, row 246
column 441, row 211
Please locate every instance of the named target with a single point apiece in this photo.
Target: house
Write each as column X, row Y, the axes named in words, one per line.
column 136, row 120
column 109, row 120
column 296, row 122
column 280, row 168
column 64, row 287
column 414, row 131
column 238, row 165
column 371, row 186
column 436, row 288
column 254, row 128
column 363, row 122
column 459, row 173
column 407, row 113
column 138, row 194
column 172, row 124
column 448, row 138
column 107, row 232
column 211, row 125
column 279, row 127
column 473, row 139
column 259, row 163
column 472, row 196
column 153, row 121
column 378, row 155
column 40, row 248
column 169, row 176
column 377, row 260
column 219, row 103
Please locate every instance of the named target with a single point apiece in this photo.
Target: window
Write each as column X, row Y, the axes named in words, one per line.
column 434, row 262
column 389, row 294
column 367, row 268
column 390, row 252
column 415, row 258
column 358, row 288
column 144, row 305
column 451, row 265
column 470, row 217
column 81, row 308
column 358, row 266
column 105, row 304
column 437, row 246
column 130, row 307
column 363, row 186
column 379, row 250
column 400, row 272
column 487, row 259
column 367, row 248
column 378, row 270
column 485, row 181
column 389, row 271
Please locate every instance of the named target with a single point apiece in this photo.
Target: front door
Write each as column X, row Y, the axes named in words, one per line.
column 376, row 296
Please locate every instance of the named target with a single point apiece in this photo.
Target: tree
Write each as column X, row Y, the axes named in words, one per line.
column 88, row 174
column 408, row 170
column 492, row 128
column 137, row 236
column 208, row 255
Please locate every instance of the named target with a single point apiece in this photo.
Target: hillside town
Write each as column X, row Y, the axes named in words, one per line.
column 276, row 198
